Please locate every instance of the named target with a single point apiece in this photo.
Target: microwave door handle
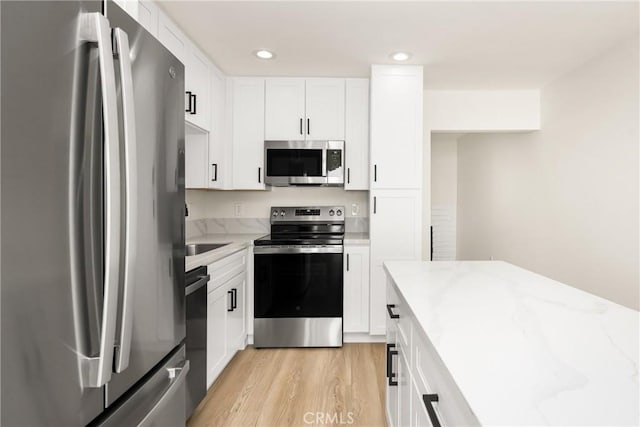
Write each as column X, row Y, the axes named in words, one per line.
column 325, row 173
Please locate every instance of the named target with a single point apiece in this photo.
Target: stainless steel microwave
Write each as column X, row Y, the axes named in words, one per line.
column 304, row 163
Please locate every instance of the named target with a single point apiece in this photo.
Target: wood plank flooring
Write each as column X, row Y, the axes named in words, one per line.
column 298, row 387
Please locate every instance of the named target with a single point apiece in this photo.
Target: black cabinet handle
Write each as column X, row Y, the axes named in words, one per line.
column 188, row 109
column 230, row 293
column 392, row 375
column 301, row 126
column 259, row 175
column 348, row 175
column 389, row 347
column 375, row 173
column 374, row 204
column 308, row 126
column 195, row 97
column 234, row 298
column 347, row 262
column 428, row 400
column 215, row 171
column 391, row 313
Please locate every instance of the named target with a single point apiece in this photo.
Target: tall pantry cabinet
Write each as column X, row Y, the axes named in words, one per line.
column 395, row 176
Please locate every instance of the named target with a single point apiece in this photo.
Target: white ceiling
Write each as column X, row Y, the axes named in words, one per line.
column 462, row 45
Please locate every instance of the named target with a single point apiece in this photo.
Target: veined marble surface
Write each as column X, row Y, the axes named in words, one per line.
column 236, row 242
column 524, row 349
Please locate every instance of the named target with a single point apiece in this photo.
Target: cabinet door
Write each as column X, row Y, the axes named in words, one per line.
column 129, row 6
column 235, row 322
column 395, row 232
column 172, row 38
column 357, row 134
column 404, row 388
column 325, row 108
column 356, row 289
column 196, row 152
column 148, row 16
column 284, row 109
column 391, row 395
column 396, row 127
column 220, row 149
column 197, row 82
column 248, row 134
column 218, row 302
column 419, row 415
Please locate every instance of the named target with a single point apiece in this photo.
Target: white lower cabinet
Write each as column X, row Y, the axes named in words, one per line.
column 422, row 379
column 356, row 288
column 226, row 331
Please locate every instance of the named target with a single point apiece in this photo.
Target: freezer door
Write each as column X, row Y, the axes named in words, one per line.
column 51, row 214
column 158, row 315
column 158, row 401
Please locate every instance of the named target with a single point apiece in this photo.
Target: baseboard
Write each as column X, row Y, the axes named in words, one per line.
column 348, row 337
column 356, row 337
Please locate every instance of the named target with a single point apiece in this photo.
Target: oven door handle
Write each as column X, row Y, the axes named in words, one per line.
column 261, row 250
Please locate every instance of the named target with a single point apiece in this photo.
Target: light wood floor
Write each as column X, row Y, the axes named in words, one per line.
column 298, row 387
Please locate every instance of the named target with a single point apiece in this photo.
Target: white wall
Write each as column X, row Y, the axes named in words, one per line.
column 256, row 204
column 444, row 195
column 563, row 201
column 482, row 110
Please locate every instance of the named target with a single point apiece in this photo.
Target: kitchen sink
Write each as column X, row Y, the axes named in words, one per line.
column 199, row 248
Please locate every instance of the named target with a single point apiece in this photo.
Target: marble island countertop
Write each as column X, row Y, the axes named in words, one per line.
column 236, row 242
column 524, row 349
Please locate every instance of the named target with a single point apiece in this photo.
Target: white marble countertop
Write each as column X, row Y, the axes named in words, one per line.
column 356, row 238
column 236, row 242
column 524, row 349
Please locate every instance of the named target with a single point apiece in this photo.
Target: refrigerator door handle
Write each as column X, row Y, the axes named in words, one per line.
column 177, row 376
column 123, row 351
column 97, row 370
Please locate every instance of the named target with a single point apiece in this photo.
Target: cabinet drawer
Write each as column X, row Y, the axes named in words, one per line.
column 431, row 377
column 401, row 318
column 223, row 270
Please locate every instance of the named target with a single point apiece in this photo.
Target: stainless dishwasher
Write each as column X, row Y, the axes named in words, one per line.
column 196, row 295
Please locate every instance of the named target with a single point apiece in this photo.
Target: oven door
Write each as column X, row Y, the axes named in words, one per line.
column 295, row 163
column 300, row 282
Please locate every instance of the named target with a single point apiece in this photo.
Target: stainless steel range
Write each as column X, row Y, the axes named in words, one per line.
column 298, row 278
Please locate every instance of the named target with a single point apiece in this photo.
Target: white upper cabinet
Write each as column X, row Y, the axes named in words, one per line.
column 325, row 106
column 396, row 126
column 197, row 69
column 148, row 16
column 284, row 109
column 248, row 112
column 357, row 134
column 197, row 86
column 129, row 6
column 220, row 149
column 299, row 109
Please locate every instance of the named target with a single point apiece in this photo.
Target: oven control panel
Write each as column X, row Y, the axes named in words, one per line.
column 307, row 214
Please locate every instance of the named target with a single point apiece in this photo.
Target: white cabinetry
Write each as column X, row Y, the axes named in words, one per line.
column 220, row 148
column 395, row 235
column 395, row 176
column 396, row 126
column 226, row 331
column 356, row 134
column 196, row 66
column 356, row 288
column 129, row 6
column 195, row 157
column 248, row 112
column 148, row 16
column 297, row 109
column 418, row 377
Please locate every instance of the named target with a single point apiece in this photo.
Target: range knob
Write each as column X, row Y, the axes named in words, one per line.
column 339, row 212
column 275, row 214
column 282, row 212
column 331, row 212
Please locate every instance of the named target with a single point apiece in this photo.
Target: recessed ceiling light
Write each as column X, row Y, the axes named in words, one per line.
column 264, row 54
column 400, row 56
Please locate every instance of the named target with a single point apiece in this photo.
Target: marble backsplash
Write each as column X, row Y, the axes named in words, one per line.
column 200, row 227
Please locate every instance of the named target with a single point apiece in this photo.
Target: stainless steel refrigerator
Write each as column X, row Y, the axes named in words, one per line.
column 91, row 219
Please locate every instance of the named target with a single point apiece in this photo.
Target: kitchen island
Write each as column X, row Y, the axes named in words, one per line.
column 511, row 347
